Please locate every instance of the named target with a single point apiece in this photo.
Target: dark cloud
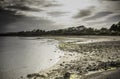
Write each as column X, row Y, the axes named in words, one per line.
column 56, row 13
column 42, row 3
column 110, row 19
column 12, row 23
column 6, row 18
column 27, row 5
column 23, row 8
column 98, row 15
column 17, row 5
column 83, row 13
column 111, row 0
column 114, row 18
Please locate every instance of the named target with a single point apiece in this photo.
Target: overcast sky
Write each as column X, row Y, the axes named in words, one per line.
column 18, row 15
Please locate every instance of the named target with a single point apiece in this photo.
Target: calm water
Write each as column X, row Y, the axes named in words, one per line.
column 20, row 56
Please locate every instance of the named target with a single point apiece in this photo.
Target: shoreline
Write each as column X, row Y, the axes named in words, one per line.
column 70, row 63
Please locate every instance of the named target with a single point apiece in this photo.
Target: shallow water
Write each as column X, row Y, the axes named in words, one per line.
column 20, row 56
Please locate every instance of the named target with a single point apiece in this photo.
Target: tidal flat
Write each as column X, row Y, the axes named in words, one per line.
column 85, row 57
column 60, row 57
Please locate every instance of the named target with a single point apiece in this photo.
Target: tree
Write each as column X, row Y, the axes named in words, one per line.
column 118, row 26
column 113, row 27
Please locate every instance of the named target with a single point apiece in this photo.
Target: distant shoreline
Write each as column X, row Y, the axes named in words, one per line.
column 114, row 30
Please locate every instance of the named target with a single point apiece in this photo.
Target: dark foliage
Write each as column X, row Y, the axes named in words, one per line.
column 80, row 30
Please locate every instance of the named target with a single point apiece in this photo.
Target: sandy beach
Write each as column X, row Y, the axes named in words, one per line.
column 87, row 57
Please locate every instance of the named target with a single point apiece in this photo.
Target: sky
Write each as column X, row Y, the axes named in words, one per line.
column 22, row 15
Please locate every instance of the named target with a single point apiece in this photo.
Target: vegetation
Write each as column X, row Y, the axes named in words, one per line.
column 80, row 30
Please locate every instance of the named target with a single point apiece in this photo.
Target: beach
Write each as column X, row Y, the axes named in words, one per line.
column 60, row 57
column 84, row 55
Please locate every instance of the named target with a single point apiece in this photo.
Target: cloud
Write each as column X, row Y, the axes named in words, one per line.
column 56, row 13
column 23, row 8
column 114, row 18
column 111, row 4
column 111, row 0
column 110, row 19
column 98, row 15
column 9, row 23
column 7, row 17
column 52, row 12
column 13, row 15
column 52, row 5
column 83, row 13
column 42, row 3
column 28, row 5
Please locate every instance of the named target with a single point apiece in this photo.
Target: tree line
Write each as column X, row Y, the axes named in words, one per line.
column 80, row 30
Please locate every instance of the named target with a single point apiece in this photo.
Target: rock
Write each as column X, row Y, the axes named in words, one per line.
column 21, row 77
column 50, row 59
column 59, row 78
column 61, row 64
column 67, row 75
column 35, row 75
